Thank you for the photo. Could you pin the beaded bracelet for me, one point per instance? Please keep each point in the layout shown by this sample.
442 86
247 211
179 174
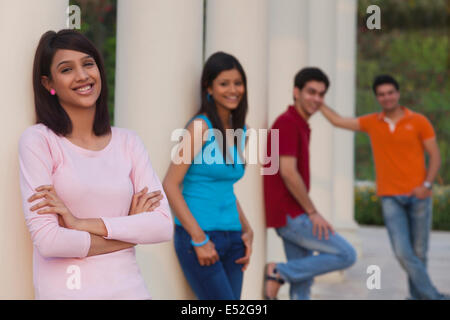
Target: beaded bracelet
200 243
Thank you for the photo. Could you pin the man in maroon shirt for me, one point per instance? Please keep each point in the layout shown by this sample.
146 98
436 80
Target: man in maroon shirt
289 208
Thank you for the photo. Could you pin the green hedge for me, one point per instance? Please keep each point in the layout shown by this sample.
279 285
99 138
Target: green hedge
98 23
368 207
407 14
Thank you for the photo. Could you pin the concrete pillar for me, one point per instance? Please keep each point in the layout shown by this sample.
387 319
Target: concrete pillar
318 33
158 69
288 53
332 39
240 28
343 195
332 45
22 23
322 49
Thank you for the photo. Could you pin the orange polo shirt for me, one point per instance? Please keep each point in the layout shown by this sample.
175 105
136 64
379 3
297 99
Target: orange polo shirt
398 150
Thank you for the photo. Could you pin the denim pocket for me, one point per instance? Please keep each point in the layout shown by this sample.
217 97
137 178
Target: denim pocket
302 221
421 207
236 238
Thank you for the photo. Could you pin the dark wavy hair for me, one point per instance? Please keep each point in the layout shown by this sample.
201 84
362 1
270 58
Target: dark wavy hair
47 107
216 63
384 79
309 74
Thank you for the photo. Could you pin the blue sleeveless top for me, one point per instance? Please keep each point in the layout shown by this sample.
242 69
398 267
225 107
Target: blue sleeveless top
208 185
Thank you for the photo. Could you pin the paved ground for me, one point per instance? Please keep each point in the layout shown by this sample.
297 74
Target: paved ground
376 250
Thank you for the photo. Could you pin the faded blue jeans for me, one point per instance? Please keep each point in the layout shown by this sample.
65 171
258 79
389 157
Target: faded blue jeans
302 265
408 222
223 279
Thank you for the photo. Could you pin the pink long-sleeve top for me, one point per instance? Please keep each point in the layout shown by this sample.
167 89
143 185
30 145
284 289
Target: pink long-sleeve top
92 184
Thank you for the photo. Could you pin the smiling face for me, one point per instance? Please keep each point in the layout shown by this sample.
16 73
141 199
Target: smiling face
76 79
387 96
227 89
310 97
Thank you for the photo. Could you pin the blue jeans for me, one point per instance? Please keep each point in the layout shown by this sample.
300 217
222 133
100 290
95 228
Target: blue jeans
408 221
302 266
223 279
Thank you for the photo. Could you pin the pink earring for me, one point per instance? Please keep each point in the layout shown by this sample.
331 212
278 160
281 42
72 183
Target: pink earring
52 92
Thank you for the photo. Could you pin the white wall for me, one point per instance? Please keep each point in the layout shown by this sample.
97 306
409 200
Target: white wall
159 62
22 23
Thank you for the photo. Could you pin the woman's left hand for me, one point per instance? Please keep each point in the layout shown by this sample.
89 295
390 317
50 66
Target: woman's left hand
247 238
53 205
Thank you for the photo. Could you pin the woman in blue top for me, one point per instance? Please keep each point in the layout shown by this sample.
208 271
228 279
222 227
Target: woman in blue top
213 239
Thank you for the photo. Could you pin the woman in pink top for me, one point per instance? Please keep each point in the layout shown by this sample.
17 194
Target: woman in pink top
85 185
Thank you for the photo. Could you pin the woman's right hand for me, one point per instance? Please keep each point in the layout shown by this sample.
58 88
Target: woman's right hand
143 201
207 254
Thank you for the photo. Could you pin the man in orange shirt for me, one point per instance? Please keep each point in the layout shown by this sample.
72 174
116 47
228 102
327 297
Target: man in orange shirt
399 139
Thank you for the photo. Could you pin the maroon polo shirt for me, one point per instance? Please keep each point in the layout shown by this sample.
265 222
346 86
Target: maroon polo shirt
294 135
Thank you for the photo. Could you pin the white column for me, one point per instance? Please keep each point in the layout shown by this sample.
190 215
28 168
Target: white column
240 28
288 53
343 177
22 23
318 33
322 48
332 48
158 69
332 43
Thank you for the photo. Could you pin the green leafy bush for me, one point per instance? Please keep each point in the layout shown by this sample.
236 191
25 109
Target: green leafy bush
368 206
98 23
408 14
